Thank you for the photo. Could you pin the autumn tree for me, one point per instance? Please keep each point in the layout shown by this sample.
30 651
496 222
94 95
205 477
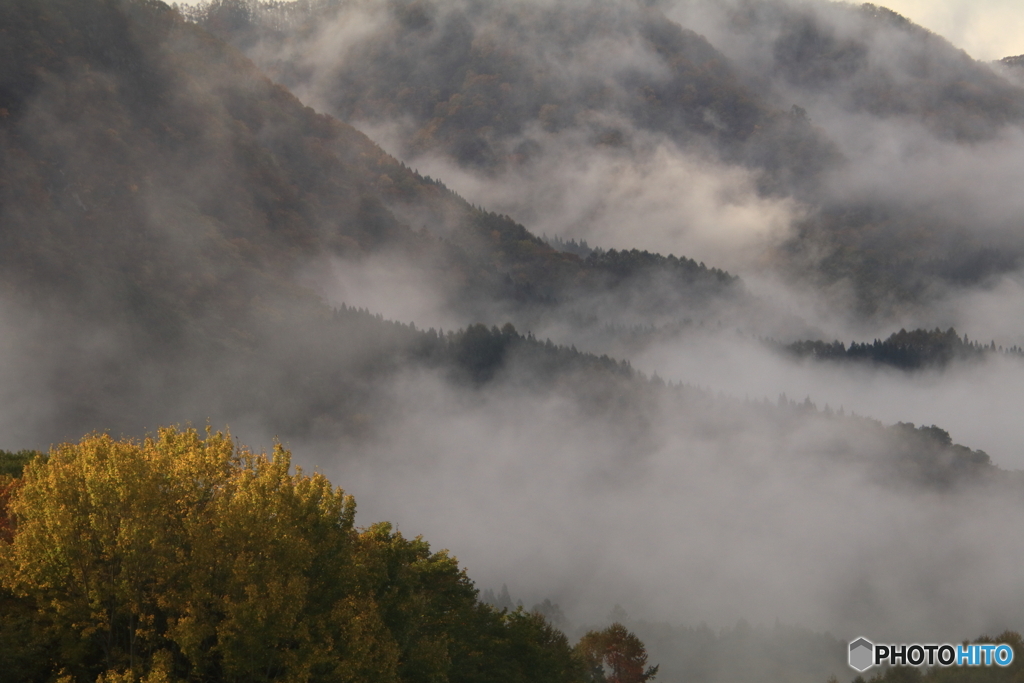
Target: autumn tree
8 485
614 655
186 558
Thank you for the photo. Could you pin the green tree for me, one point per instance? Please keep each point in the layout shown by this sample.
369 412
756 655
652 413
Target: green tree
12 463
423 597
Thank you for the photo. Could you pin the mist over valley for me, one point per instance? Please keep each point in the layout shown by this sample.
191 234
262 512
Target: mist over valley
704 318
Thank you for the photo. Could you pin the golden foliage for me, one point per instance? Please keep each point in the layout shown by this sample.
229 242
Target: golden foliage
184 554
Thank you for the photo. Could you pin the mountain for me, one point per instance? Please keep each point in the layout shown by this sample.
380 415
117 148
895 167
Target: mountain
167 202
473 80
897 100
190 122
838 107
867 58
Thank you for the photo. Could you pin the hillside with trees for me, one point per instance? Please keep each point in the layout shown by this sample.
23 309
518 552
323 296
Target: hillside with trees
474 80
913 350
218 170
161 195
770 86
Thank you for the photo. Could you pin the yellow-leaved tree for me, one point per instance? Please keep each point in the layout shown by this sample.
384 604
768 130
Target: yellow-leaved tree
184 557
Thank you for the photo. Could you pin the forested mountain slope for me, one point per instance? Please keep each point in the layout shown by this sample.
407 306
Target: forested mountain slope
172 207
867 58
840 107
899 101
123 114
473 80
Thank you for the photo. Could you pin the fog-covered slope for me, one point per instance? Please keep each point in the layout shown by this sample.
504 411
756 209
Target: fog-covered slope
672 123
162 199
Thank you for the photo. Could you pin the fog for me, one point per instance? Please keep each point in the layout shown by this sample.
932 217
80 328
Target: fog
976 403
389 284
700 520
906 152
713 512
900 163
652 196
716 515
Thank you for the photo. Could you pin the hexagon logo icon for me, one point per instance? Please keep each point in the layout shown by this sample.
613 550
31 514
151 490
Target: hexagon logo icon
862 654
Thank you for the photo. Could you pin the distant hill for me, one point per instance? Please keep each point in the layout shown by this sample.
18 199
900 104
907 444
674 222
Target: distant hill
1016 61
473 79
1014 67
913 350
873 60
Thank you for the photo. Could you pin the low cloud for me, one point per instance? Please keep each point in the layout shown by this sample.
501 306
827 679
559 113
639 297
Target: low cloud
650 196
719 512
389 284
